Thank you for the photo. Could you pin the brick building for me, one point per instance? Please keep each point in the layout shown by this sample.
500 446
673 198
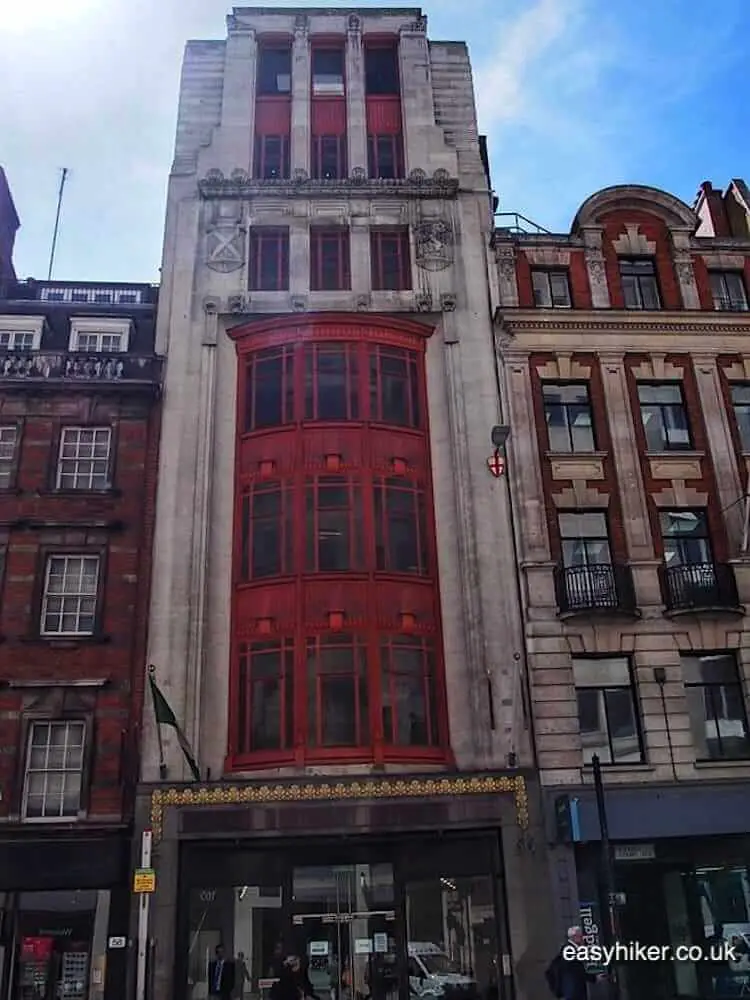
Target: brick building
79 385
9 224
624 348
343 654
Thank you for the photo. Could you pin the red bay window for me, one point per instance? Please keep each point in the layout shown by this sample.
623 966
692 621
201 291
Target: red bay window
336 651
269 259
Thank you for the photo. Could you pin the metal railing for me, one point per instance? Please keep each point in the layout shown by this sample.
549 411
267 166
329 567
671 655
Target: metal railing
597 587
699 585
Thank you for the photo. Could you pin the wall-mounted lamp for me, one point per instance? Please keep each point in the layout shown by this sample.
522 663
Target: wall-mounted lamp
500 435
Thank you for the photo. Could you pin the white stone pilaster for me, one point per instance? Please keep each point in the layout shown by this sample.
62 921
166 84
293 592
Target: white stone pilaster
505 254
299 257
359 256
683 263
238 101
720 446
356 111
300 138
417 108
592 241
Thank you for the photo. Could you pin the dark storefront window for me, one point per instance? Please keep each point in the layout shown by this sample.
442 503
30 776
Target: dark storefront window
401 918
717 706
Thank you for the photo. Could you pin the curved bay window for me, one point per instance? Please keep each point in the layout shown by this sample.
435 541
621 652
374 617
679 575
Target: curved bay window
337 651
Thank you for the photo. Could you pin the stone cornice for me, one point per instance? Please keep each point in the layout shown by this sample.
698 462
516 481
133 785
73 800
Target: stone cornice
240 185
617 322
698 244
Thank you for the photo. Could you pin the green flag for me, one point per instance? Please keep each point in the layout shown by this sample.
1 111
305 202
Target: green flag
166 717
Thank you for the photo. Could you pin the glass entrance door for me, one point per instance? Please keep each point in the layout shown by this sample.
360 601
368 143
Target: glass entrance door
344 923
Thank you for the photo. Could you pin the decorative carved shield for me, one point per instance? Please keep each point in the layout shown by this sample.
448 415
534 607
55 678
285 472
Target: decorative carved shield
434 245
225 249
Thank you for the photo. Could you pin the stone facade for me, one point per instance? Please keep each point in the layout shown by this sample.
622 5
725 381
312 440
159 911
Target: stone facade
215 201
603 336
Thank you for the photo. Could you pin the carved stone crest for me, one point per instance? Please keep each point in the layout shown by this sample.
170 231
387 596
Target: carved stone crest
434 245
225 248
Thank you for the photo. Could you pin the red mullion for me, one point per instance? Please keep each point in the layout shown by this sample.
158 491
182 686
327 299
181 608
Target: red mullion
299 490
367 486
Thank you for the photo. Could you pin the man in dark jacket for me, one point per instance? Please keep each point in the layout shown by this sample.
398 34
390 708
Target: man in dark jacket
567 977
221 976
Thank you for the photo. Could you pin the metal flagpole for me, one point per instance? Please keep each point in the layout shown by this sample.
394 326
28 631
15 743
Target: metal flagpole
143 911
63 178
162 762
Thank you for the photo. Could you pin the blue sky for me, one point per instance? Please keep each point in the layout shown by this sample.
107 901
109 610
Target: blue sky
573 94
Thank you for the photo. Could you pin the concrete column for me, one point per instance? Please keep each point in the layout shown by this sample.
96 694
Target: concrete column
238 103
683 262
592 241
199 535
636 523
716 418
359 250
356 112
299 257
300 145
417 110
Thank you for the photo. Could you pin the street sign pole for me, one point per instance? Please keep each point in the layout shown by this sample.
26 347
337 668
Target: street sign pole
144 903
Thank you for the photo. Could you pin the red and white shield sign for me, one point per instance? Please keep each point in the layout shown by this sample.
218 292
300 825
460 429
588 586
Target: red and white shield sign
496 464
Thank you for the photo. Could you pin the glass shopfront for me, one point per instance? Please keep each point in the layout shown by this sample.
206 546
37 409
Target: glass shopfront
55 945
690 894
369 921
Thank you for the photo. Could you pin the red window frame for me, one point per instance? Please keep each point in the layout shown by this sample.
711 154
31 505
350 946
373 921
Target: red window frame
392 390
392 672
266 507
385 156
333 508
269 259
329 259
272 157
328 157
337 361
399 504
260 387
390 258
253 712
325 671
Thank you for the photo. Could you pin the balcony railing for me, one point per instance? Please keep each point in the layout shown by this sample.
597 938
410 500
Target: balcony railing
597 587
72 367
699 585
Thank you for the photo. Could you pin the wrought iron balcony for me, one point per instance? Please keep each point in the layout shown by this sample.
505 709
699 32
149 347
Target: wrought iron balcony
76 368
699 586
600 587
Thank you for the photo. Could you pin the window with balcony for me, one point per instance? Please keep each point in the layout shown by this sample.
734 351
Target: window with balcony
269 388
71 585
269 260
274 71
584 538
84 460
267 531
334 520
328 72
408 692
18 340
640 289
385 156
588 580
337 692
741 406
381 70
567 411
329 259
394 387
331 382
607 710
718 718
390 258
271 157
266 696
54 770
691 578
8 448
664 416
400 527
728 290
551 289
328 159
